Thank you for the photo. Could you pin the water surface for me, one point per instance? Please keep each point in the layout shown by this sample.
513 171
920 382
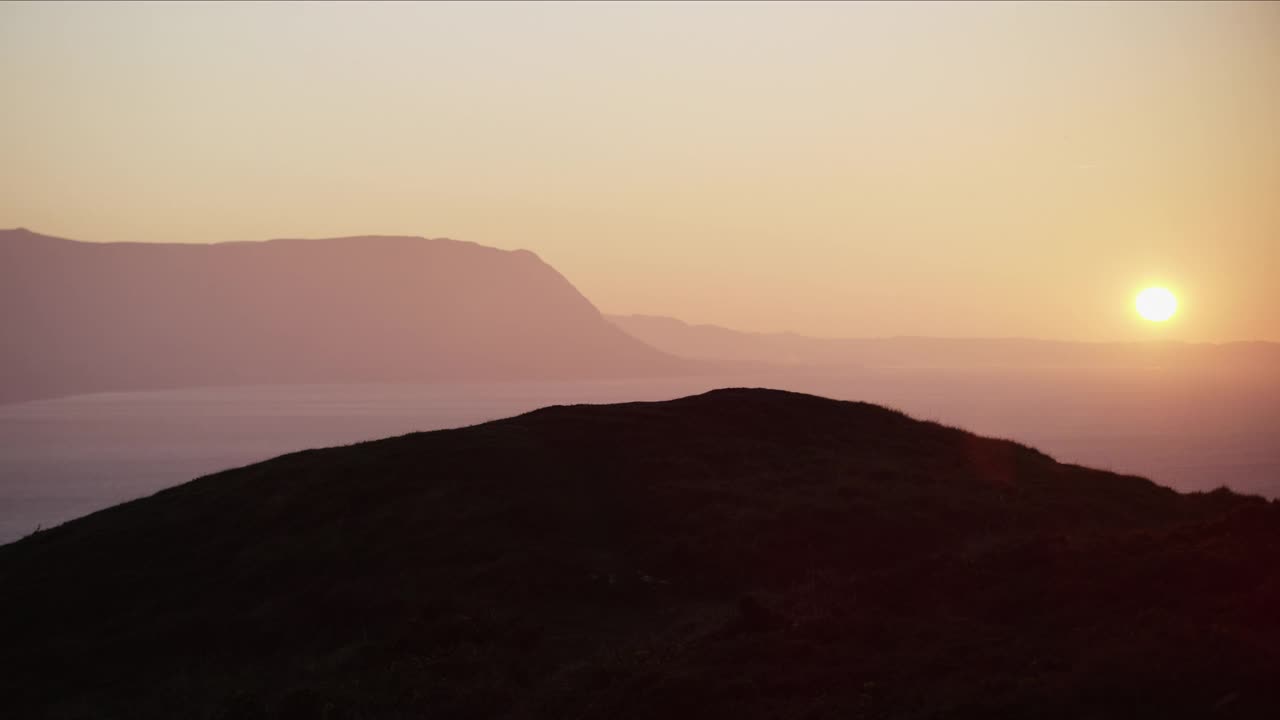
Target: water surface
66 457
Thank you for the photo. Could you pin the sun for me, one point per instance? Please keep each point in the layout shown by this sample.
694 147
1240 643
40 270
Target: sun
1156 304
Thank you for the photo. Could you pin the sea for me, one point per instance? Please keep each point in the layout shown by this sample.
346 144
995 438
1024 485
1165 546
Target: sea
66 457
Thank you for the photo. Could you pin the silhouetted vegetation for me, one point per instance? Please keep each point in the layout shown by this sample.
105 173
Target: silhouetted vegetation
744 553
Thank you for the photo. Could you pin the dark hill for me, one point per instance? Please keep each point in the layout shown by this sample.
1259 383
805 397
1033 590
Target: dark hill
84 317
744 553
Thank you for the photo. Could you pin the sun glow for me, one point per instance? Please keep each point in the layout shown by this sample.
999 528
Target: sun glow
1156 304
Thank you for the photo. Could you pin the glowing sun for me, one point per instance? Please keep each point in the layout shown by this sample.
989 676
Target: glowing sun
1156 304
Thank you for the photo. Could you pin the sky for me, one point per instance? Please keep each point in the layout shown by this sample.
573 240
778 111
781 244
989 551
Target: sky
832 169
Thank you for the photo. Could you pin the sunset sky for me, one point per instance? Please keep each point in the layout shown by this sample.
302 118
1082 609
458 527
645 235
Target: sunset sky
841 170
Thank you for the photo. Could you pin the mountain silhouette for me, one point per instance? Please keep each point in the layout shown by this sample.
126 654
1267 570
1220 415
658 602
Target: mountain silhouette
84 317
718 344
743 553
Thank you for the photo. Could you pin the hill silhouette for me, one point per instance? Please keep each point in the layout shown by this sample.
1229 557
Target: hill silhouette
743 553
86 317
718 344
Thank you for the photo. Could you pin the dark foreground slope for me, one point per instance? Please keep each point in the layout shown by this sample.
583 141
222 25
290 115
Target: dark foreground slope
744 553
86 317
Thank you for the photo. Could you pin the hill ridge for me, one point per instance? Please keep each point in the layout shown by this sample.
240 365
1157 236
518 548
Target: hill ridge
87 317
647 559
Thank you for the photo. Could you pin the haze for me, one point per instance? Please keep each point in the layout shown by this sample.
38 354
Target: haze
623 360
838 170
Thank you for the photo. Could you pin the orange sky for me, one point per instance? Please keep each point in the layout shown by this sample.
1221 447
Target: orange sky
873 169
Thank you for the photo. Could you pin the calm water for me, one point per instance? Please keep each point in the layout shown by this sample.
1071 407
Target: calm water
63 458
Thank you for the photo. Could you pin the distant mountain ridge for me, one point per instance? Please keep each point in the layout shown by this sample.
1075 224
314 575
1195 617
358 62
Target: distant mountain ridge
744 553
715 343
84 317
